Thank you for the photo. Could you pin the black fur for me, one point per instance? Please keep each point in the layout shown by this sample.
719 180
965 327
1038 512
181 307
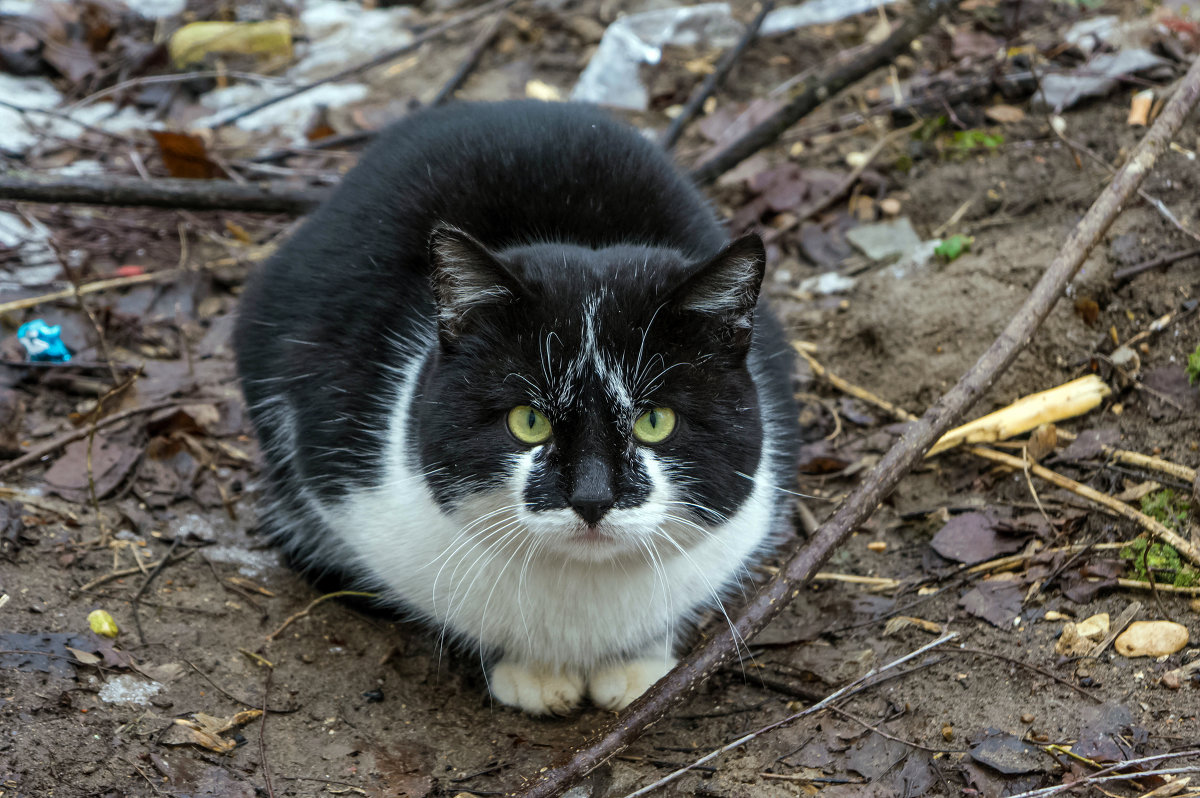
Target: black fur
548 204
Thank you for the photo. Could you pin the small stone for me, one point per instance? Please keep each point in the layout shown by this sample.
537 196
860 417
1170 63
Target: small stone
947 732
878 546
1152 639
890 206
1027 718
1194 605
1093 628
884 240
1055 615
1077 639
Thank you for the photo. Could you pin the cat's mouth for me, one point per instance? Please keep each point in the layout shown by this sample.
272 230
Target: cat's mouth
593 535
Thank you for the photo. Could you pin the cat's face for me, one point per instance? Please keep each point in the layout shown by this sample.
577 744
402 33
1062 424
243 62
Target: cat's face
595 404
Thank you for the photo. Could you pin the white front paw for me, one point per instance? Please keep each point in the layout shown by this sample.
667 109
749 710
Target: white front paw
615 686
537 689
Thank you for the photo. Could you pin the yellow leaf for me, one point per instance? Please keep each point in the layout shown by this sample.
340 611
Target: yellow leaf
192 43
102 623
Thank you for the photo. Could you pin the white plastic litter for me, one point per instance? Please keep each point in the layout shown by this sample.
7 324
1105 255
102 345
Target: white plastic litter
344 33
1096 78
39 264
156 9
129 690
611 77
815 12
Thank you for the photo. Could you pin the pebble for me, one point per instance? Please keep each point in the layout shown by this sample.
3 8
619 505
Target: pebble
1152 639
1077 639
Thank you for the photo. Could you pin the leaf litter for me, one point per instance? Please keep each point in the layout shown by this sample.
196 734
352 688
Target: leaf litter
184 473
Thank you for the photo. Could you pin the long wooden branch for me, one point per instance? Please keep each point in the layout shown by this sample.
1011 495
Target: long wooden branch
918 437
822 87
197 195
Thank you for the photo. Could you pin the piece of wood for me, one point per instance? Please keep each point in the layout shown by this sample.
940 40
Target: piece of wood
196 195
812 93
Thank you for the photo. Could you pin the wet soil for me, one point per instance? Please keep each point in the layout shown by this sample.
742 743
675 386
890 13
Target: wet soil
360 703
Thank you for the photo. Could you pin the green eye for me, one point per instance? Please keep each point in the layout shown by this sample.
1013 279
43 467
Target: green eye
654 426
528 425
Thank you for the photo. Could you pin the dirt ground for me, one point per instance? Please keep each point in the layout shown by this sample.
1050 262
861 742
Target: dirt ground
360 703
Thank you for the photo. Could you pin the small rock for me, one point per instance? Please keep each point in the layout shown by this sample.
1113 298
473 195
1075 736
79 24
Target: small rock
877 546
1194 605
1028 718
1077 639
1127 360
890 206
1152 639
885 240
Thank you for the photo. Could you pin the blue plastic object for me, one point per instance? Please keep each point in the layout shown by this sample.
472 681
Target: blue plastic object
43 342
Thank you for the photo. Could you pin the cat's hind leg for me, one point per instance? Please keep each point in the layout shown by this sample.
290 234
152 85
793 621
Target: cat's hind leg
615 686
538 689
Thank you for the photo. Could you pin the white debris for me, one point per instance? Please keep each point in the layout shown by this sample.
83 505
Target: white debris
611 76
1095 78
827 283
19 131
252 562
1088 34
290 117
156 9
815 12
129 690
343 33
31 239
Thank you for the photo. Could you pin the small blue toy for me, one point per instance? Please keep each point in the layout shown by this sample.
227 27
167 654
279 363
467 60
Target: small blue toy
43 342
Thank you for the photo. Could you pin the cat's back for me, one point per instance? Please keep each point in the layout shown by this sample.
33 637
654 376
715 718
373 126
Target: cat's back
520 172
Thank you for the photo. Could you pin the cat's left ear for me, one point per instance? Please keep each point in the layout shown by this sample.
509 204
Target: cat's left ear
725 289
466 276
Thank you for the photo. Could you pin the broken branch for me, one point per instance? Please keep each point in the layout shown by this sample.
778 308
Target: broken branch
822 88
715 80
197 195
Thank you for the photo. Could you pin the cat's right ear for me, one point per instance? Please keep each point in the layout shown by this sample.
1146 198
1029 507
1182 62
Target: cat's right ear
465 276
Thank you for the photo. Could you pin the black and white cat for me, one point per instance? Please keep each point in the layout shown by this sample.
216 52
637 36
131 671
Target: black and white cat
513 377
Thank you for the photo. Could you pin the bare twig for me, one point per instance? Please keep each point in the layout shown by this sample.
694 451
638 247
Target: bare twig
822 88
715 80
1160 531
382 58
262 735
1121 275
161 193
906 453
478 47
52 446
137 597
297 616
817 707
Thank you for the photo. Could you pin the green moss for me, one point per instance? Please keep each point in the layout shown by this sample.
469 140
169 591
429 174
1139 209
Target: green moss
1165 508
1193 366
1162 560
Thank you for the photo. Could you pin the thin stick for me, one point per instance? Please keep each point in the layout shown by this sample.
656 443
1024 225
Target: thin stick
1121 275
817 707
262 736
478 47
1160 531
52 446
1140 460
900 459
847 387
715 80
984 653
824 86
111 575
202 195
382 58
1138 584
297 616
137 597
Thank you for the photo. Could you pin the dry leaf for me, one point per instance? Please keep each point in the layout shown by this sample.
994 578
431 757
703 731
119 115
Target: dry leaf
1005 114
185 155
